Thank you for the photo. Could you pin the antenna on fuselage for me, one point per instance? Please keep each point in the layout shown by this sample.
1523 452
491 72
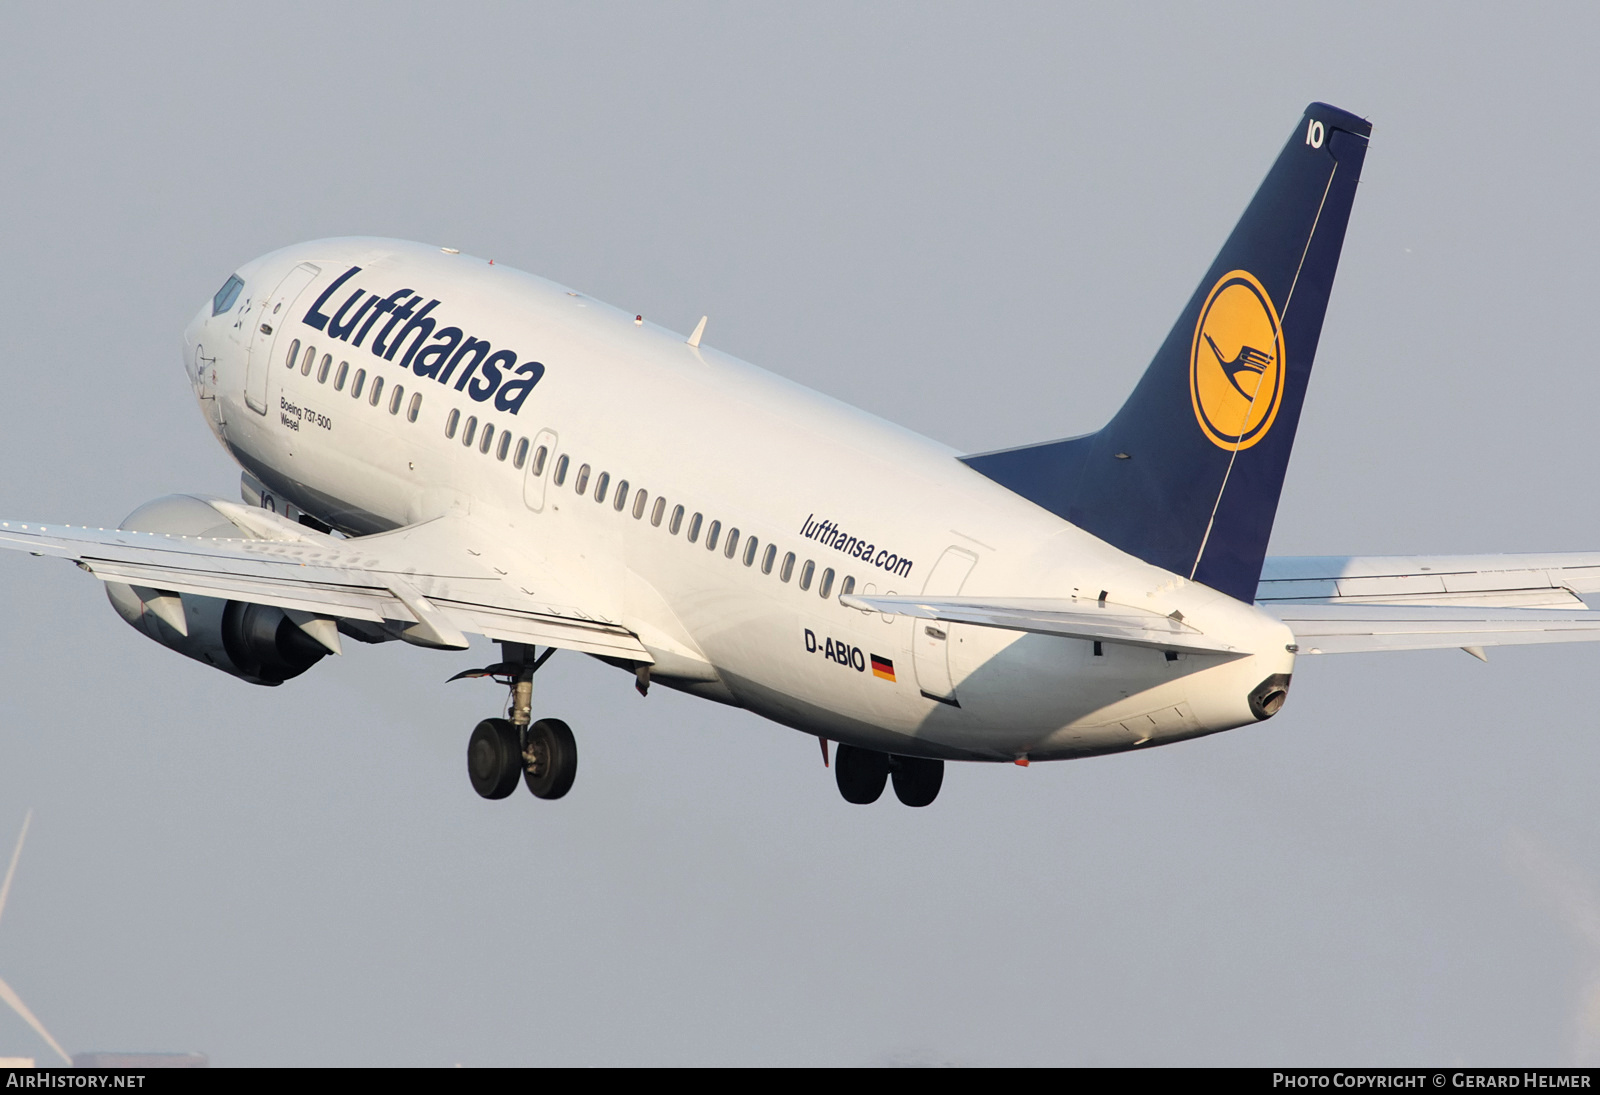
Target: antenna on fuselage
700 329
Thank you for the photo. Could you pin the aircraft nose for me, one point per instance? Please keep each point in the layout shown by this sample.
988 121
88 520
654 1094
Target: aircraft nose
195 337
203 338
194 333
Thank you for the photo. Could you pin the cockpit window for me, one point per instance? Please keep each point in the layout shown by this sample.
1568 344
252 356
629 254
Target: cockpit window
226 295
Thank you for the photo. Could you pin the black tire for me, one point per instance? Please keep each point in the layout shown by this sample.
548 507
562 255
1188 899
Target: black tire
494 758
551 761
861 773
917 779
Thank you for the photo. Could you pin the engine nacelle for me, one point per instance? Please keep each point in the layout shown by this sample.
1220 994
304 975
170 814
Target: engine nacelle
261 644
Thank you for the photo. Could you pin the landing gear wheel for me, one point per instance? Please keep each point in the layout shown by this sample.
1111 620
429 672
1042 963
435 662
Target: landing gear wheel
550 762
916 779
494 758
861 773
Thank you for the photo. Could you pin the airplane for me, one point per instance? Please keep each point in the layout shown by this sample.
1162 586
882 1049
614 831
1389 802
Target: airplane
9 994
433 445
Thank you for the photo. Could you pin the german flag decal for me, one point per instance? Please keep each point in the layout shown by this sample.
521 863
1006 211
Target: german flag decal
882 667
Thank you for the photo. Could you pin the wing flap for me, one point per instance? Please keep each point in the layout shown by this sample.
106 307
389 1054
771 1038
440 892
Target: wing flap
1064 617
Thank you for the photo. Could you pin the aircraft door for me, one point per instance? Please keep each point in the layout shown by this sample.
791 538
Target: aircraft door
930 645
541 458
275 312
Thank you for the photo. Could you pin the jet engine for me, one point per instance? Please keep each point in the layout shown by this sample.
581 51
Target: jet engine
261 644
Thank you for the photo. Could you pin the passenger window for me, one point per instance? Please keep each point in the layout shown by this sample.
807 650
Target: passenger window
733 543
750 546
309 360
638 504
538 462
505 447
766 560
787 570
657 510
600 486
322 370
355 388
396 399
694 528
294 353
522 454
582 481
805 574
377 391
622 496
226 295
561 470
677 520
470 430
488 437
451 422
847 587
711 535
825 587
415 408
340 377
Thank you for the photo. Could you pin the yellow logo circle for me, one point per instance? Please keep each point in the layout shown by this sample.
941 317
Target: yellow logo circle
1236 364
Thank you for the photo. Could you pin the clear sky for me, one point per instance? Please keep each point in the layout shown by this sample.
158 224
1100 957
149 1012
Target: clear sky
975 220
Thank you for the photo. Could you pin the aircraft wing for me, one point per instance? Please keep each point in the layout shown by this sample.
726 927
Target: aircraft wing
1355 628
1339 604
436 579
1322 627
1486 581
1067 617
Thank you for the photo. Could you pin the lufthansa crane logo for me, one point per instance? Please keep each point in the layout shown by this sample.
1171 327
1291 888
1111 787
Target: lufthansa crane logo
1236 365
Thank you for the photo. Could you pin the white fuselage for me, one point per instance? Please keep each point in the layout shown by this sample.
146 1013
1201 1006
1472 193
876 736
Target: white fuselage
843 491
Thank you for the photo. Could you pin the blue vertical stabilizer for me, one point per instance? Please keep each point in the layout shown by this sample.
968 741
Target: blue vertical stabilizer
1187 475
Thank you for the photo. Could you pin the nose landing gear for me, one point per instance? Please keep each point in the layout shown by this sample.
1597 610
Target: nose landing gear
542 754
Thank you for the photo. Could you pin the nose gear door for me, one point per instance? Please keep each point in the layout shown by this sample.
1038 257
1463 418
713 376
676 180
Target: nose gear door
930 645
274 313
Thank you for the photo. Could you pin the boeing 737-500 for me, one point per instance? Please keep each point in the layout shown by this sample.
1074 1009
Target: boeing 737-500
435 446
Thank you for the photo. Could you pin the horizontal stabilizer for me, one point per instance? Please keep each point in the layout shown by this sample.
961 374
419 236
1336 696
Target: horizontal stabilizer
1063 616
1361 628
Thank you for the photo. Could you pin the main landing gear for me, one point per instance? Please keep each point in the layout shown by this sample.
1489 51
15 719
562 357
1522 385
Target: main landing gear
862 774
502 752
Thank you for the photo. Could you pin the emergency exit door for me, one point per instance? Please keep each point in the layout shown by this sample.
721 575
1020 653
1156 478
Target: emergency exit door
930 646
